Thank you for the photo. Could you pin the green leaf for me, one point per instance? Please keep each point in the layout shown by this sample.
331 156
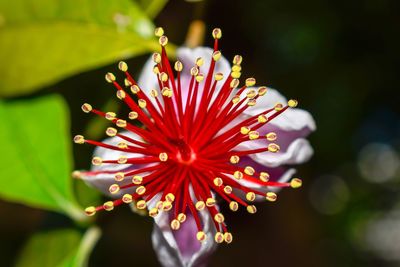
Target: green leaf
35 159
152 7
44 41
61 248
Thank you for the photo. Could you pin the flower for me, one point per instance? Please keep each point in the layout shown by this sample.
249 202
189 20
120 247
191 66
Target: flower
204 137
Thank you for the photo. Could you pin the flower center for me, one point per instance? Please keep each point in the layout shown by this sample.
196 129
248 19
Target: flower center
185 154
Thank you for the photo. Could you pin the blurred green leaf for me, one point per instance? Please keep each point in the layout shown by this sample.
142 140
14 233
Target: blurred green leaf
152 7
35 159
62 248
44 41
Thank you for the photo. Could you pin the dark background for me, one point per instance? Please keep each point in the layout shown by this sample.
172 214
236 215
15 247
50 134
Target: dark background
339 59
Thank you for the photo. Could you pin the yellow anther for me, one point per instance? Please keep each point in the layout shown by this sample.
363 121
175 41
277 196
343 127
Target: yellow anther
114 188
153 212
137 179
122 66
292 103
249 170
271 136
181 217
97 161
251 93
133 115
127 82
234 83
194 71
236 99
216 55
234 159
217 181
121 94
217 33
218 76
262 118
250 196
156 58
175 224
200 205
76 174
251 102
210 202
262 90
110 77
166 206
228 238
163 156
86 108
135 89
237 60
121 123
228 189
238 175
141 190
90 211
163 76
200 77
170 197
219 218
142 103
273 148
236 74
156 69
159 31
108 206
122 159
178 66
271 196
167 92
79 139
127 198
219 237
111 131
233 205
163 40
236 68
119 176
122 145
141 204
199 62
253 135
250 82
251 209
110 116
201 236
296 183
278 107
153 93
244 130
264 176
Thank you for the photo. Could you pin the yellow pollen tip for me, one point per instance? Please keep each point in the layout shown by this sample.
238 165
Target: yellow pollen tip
262 90
219 218
76 174
219 237
108 206
110 116
178 66
90 211
271 136
236 68
296 183
201 236
233 206
86 108
111 131
244 130
249 170
122 66
170 197
122 160
216 55
228 238
271 196
97 161
194 71
137 179
163 77
166 206
250 82
253 135
200 77
141 204
122 145
217 33
278 107
210 202
119 176
127 82
238 175
251 94
79 139
218 76
236 74
153 93
163 156
156 58
141 190
159 31
142 103
199 62
110 78
121 94
264 176
200 205
251 209
217 181
228 189
156 70
251 102
167 92
121 123
114 188
250 196
262 119
273 147
234 159
175 224
234 83
292 103
181 217
133 115
236 99
163 40
135 89
237 60
153 212
127 198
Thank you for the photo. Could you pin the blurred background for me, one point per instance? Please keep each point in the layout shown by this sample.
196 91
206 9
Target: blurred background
338 58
